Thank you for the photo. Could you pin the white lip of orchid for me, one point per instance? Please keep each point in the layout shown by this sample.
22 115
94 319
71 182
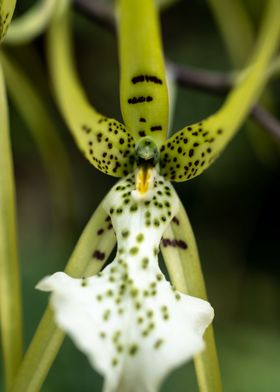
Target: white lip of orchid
133 326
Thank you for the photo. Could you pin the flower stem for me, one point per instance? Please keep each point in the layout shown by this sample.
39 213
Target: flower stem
236 29
31 107
10 296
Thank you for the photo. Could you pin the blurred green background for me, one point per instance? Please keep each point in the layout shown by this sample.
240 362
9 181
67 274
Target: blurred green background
234 206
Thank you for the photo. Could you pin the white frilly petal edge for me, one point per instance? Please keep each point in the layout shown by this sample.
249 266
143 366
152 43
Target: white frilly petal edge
128 320
133 350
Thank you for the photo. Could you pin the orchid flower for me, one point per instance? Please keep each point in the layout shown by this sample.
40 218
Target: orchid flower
132 324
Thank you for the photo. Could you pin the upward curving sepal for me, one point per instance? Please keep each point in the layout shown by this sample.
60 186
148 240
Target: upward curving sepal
7 8
144 96
190 151
105 142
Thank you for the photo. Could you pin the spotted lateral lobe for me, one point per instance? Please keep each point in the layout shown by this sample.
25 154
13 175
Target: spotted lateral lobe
190 151
107 145
105 142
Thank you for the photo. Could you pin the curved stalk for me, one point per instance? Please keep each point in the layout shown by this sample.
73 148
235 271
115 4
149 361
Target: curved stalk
236 29
31 24
29 103
10 296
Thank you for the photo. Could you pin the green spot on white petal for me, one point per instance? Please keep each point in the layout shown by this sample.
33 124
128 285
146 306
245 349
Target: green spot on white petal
131 316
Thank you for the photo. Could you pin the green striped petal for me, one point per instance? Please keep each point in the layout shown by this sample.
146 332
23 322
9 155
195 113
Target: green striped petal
7 8
105 142
144 96
190 151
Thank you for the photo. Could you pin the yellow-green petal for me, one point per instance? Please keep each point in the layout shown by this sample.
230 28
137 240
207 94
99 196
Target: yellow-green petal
143 89
181 257
190 151
105 142
7 8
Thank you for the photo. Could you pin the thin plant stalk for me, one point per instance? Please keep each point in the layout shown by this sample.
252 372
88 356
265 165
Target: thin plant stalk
10 295
28 26
31 107
236 29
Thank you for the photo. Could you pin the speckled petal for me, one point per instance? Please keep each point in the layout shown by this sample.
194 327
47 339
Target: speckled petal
132 325
105 142
190 151
6 13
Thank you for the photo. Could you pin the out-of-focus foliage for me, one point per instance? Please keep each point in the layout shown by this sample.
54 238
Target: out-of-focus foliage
233 207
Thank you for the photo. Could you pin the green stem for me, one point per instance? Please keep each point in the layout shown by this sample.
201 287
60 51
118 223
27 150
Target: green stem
274 69
28 26
48 338
30 105
236 29
10 296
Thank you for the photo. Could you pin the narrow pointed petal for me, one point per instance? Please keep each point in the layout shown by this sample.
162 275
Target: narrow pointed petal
7 8
179 250
190 151
129 321
144 96
105 142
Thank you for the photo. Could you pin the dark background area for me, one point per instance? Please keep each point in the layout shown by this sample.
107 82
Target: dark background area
233 207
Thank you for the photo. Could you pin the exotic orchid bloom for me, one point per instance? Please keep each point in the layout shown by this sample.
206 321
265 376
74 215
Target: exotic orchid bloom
132 324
